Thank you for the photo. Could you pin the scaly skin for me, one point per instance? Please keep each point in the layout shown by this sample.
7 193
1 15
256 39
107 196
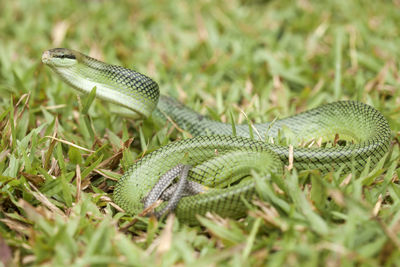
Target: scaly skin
222 163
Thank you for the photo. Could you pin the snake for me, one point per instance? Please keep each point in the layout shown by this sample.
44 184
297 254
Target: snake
214 170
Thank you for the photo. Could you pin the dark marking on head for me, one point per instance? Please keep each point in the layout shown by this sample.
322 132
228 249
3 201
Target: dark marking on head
71 56
63 53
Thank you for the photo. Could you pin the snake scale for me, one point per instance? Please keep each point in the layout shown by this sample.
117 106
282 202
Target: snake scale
219 163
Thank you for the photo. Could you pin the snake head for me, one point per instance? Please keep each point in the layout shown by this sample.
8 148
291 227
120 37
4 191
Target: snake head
121 86
60 57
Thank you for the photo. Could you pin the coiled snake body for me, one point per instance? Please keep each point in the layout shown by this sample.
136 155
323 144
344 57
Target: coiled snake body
217 165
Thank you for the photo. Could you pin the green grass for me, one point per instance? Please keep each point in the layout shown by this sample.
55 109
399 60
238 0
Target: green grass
59 159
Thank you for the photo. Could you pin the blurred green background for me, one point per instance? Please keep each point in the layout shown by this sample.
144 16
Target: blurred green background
268 58
205 48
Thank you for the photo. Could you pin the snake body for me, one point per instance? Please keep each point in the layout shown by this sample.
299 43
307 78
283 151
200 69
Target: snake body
222 163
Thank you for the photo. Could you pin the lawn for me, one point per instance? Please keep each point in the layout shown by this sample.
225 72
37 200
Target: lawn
61 153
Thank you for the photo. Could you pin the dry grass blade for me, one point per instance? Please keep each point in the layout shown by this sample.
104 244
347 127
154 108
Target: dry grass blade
78 184
377 206
59 31
166 237
69 143
5 253
44 200
291 158
346 180
389 232
17 226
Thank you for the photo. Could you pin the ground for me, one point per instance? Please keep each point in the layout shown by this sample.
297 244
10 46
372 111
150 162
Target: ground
61 153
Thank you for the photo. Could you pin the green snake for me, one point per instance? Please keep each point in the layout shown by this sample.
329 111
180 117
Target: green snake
213 171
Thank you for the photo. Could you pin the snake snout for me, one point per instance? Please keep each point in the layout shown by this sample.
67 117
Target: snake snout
46 57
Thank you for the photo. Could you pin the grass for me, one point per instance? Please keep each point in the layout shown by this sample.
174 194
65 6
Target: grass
60 153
